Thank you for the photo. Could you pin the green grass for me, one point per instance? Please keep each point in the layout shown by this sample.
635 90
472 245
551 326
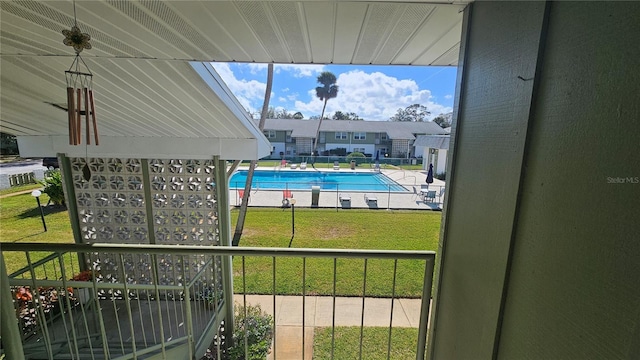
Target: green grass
326 228
19 188
20 222
374 343
315 228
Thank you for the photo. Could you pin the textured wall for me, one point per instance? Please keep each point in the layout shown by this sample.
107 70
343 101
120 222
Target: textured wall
489 144
540 258
574 289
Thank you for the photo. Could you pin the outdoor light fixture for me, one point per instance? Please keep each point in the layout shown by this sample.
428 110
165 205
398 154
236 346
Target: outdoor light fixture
36 194
292 201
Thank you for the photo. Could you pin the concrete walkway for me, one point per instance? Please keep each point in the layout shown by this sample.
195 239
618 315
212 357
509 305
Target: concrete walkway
318 313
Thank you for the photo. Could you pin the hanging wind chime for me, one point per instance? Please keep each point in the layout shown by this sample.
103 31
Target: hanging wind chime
80 101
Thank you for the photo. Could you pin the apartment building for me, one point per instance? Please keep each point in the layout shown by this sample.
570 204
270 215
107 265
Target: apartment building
291 137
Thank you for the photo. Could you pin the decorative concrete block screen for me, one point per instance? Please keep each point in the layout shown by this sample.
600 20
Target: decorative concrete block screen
140 201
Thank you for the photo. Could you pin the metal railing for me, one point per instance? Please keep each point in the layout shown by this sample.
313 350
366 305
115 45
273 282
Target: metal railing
84 330
66 309
401 195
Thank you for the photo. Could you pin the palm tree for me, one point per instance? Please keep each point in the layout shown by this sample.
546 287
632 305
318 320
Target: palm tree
328 90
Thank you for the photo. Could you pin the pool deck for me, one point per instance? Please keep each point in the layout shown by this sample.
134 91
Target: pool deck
410 179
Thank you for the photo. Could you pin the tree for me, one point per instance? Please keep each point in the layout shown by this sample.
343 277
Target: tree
444 120
328 90
8 144
247 185
282 113
415 112
354 116
339 115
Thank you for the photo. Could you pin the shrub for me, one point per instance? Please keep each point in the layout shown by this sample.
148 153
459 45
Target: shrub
441 176
53 187
358 157
259 333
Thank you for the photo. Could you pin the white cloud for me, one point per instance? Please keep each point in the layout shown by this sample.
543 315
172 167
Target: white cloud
448 97
300 70
285 89
373 96
256 68
282 99
250 93
292 97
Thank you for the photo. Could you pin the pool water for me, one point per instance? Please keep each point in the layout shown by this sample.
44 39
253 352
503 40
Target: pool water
303 180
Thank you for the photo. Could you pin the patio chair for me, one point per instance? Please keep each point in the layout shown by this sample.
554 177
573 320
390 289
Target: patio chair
336 165
303 166
371 201
345 201
241 195
430 196
376 167
293 166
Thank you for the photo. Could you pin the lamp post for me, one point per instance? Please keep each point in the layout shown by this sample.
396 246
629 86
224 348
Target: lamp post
36 194
293 219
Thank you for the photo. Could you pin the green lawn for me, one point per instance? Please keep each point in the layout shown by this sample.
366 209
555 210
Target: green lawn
20 222
315 228
19 188
326 228
375 342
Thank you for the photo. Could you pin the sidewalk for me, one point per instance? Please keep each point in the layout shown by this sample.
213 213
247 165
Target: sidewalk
318 313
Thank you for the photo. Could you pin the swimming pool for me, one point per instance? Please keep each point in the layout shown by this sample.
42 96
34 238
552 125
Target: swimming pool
303 180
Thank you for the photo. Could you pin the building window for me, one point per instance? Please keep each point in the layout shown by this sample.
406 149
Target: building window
383 136
270 134
288 134
360 150
359 136
342 136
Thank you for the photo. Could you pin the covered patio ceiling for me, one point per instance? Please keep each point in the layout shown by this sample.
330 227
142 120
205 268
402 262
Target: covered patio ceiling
149 96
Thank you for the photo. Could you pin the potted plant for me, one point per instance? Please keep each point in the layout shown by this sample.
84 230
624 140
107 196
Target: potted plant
83 294
53 187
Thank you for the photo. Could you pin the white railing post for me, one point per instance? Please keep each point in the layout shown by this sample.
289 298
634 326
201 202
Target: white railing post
224 229
424 310
11 337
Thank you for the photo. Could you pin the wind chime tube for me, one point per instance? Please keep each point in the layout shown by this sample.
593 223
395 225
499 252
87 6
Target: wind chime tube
71 112
79 118
93 116
86 113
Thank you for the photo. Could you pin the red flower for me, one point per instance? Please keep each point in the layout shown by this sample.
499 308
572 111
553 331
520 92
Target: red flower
24 294
86 275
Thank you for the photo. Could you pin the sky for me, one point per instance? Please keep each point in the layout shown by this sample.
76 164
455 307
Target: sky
373 92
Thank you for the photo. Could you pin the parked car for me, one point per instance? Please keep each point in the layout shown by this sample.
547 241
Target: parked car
50 163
